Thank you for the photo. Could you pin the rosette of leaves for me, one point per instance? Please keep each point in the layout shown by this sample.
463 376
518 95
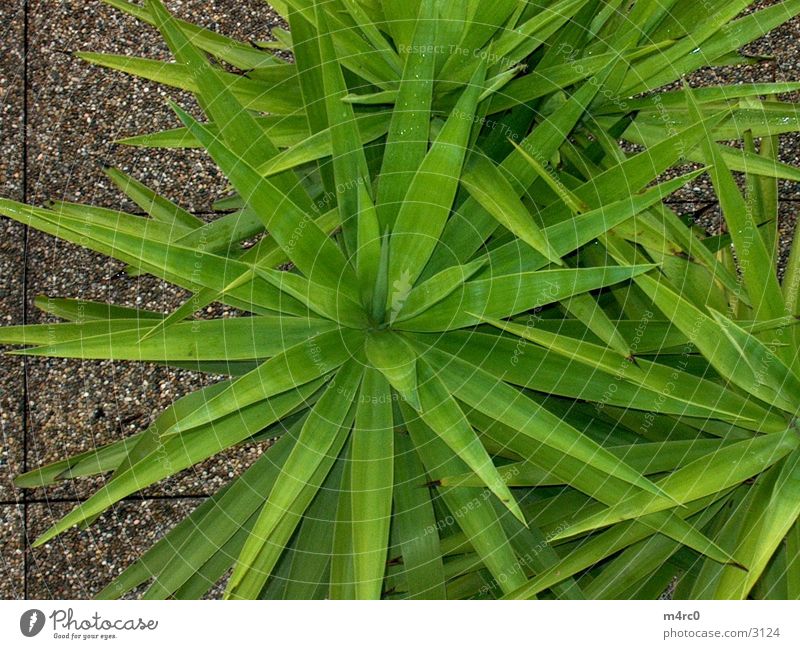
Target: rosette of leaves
493 361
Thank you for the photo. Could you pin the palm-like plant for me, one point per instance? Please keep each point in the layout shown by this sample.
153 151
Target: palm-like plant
494 361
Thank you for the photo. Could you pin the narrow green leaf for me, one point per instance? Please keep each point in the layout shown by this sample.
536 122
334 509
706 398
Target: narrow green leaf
349 162
240 54
279 96
779 515
433 290
397 361
296 232
307 361
759 277
471 510
715 473
508 295
444 417
180 452
224 339
156 206
407 142
489 187
429 199
320 440
486 394
371 482
415 535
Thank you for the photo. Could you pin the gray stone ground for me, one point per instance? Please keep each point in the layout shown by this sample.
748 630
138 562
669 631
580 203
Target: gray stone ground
58 119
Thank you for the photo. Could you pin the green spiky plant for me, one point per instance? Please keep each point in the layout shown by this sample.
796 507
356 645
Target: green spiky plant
494 361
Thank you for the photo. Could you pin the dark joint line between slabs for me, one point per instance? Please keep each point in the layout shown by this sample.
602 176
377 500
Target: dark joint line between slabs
25 431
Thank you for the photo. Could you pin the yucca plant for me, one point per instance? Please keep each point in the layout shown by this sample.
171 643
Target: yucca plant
492 360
